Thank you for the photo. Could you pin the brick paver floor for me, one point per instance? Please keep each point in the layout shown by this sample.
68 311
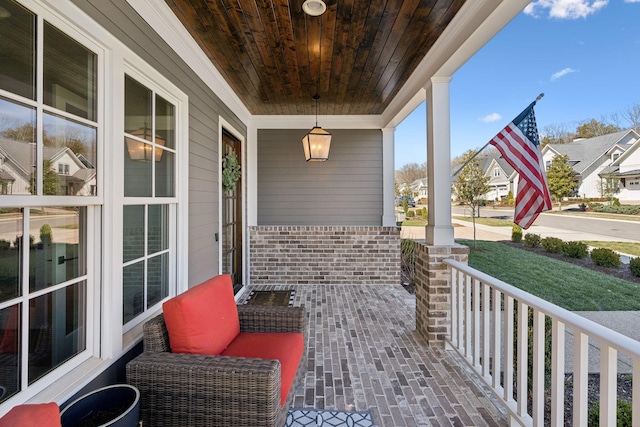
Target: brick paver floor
364 353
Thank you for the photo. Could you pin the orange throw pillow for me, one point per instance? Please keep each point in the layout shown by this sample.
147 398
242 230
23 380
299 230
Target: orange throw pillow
32 415
204 319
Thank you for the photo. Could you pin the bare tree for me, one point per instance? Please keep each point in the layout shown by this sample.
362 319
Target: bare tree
410 172
629 118
556 134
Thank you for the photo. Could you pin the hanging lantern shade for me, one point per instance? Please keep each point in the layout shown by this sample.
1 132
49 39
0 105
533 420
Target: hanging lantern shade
316 145
142 151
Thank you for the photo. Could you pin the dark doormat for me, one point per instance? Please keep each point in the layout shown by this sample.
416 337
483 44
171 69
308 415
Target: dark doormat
276 298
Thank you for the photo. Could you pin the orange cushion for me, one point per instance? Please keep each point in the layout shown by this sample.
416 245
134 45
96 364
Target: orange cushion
204 319
32 415
287 347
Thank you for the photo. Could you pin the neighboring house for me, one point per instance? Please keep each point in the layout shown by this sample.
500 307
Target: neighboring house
592 158
76 174
502 177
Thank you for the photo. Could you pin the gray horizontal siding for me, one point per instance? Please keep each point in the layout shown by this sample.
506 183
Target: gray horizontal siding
204 108
344 190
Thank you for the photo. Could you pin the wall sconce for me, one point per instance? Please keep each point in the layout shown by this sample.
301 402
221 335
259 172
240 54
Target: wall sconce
317 142
141 151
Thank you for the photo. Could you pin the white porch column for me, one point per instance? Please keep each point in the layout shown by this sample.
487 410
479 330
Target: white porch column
388 177
439 228
251 176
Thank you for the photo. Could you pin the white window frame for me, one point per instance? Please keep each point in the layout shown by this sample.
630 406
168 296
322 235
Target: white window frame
106 339
48 387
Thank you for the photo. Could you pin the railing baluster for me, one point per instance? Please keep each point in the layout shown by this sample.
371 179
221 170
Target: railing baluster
635 393
461 284
523 346
538 368
455 275
497 313
486 331
508 348
580 378
608 384
467 317
557 373
476 325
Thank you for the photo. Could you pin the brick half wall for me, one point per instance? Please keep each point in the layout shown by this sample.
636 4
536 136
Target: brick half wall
324 255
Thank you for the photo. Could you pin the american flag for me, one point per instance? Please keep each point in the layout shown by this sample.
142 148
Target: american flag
519 145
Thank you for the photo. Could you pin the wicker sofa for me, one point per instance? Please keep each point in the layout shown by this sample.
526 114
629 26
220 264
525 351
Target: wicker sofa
179 389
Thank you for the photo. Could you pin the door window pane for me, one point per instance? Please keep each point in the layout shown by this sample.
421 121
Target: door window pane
56 246
133 233
132 291
17 50
69 157
69 74
10 332
56 328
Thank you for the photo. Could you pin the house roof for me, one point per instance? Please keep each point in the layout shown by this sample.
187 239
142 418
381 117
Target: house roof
584 152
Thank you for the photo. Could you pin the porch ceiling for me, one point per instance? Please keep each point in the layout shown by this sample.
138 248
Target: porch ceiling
356 56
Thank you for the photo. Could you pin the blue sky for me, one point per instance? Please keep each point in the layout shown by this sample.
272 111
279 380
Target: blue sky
584 55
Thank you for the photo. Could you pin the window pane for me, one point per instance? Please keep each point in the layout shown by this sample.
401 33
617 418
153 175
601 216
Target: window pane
10 239
69 74
17 50
137 109
165 123
10 332
57 246
137 174
57 317
164 175
158 233
17 147
133 233
69 157
157 279
132 291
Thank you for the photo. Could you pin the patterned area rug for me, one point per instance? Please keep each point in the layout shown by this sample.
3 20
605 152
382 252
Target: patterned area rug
327 418
276 298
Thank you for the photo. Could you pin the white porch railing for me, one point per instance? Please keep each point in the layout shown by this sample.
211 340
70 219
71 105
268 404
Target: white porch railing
486 313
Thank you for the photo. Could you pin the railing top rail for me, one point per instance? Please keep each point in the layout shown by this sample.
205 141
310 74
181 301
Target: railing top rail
575 321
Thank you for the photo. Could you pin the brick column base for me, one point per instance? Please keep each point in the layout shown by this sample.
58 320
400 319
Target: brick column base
433 290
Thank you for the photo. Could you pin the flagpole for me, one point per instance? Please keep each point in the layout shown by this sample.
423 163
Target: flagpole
485 145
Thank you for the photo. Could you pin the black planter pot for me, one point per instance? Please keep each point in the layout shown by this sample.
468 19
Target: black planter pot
112 406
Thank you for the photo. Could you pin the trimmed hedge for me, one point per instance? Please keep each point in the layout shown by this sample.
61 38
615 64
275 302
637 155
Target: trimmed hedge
552 244
532 240
634 265
575 250
605 257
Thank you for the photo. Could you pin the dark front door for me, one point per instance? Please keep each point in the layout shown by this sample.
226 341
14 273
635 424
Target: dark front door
232 216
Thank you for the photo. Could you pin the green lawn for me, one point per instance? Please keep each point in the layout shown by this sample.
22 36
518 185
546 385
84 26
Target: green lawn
494 222
623 247
566 285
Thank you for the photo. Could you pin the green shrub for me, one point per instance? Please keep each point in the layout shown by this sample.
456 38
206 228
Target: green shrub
616 202
411 214
424 213
605 257
634 265
623 414
623 209
575 249
531 240
516 233
46 235
552 244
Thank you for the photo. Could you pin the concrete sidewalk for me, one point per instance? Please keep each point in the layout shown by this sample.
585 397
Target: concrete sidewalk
624 322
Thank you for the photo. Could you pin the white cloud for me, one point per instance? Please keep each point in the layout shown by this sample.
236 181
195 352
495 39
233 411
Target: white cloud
632 1
567 9
562 73
493 117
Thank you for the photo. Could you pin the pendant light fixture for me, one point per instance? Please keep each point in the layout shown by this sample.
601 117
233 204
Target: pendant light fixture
317 142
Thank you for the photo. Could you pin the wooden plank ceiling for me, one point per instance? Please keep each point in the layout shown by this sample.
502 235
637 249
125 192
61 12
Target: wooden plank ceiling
356 56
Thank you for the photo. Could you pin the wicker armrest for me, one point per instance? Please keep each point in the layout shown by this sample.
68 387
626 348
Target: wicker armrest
255 318
208 390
